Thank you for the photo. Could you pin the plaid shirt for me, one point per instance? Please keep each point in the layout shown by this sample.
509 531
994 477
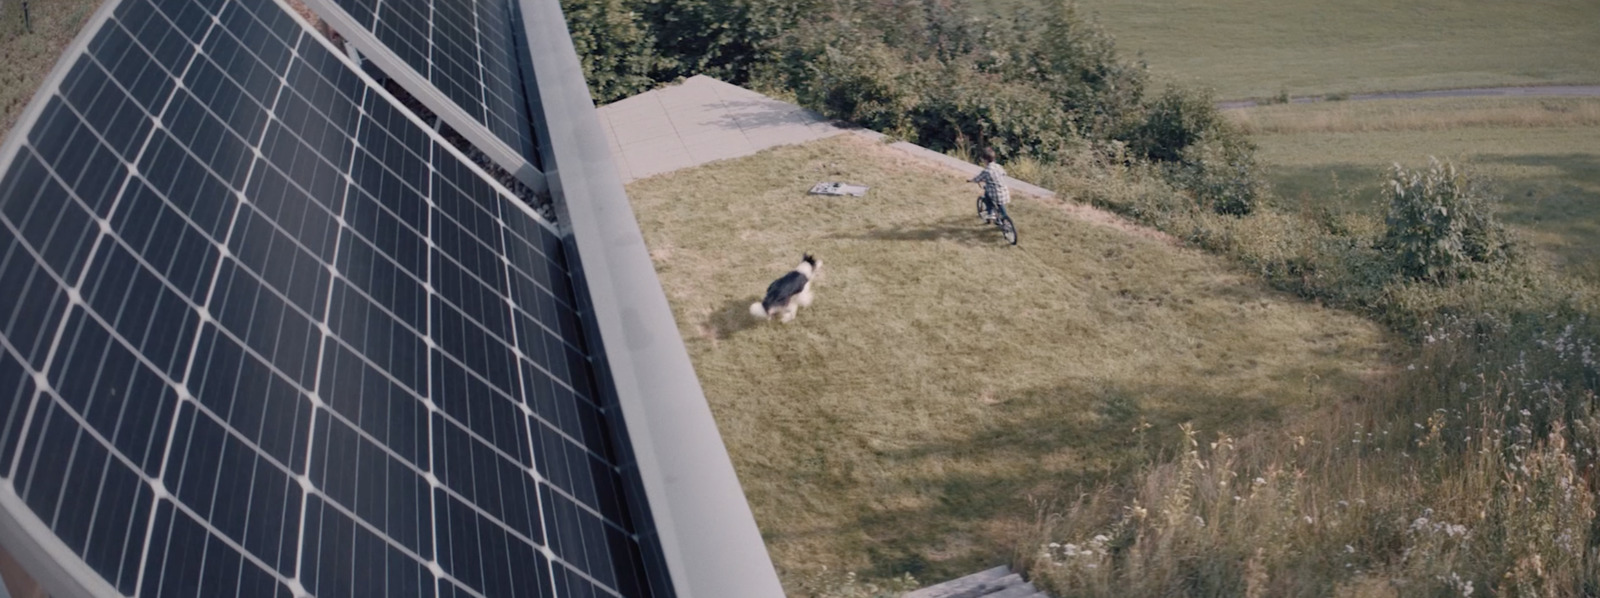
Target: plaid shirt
993 179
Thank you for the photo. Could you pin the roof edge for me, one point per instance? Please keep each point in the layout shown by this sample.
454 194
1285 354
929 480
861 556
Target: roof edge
708 535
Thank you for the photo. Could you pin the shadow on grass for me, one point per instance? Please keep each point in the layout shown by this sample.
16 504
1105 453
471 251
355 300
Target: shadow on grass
967 230
732 318
1337 187
977 496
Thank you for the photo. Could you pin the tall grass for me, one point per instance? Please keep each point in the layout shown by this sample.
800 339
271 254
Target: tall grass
1469 471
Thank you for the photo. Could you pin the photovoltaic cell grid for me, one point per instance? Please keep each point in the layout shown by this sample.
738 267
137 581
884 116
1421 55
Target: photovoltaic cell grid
271 337
465 49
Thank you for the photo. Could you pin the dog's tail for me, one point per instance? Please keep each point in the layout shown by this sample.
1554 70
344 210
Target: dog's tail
758 311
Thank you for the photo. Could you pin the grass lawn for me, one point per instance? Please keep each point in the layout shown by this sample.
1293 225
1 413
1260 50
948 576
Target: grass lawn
1544 154
25 58
943 381
1257 48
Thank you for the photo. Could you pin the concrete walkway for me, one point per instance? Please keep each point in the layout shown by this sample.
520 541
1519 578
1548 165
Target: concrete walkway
704 120
698 121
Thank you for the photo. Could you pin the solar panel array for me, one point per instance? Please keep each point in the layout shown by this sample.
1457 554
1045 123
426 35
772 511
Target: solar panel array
464 48
273 337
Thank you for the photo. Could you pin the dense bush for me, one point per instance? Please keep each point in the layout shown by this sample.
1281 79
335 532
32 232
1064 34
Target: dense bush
931 71
1441 224
615 47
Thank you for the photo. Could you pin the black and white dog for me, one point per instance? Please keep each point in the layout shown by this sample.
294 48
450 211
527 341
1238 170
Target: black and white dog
789 293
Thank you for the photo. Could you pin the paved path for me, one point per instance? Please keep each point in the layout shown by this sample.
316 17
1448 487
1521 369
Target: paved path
698 121
1546 91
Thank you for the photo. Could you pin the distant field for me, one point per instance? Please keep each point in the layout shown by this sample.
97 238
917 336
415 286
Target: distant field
1545 154
1257 48
943 378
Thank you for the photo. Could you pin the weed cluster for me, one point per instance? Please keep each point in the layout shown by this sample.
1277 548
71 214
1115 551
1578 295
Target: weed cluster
1476 477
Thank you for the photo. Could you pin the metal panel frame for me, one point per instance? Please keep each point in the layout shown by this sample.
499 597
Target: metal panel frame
374 50
710 546
43 555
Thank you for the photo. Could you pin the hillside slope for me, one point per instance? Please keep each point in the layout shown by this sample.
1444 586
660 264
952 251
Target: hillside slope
942 378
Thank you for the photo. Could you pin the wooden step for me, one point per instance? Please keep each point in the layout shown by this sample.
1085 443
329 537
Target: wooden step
998 582
1023 590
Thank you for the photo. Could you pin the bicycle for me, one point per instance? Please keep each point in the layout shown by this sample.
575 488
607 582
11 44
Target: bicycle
1002 219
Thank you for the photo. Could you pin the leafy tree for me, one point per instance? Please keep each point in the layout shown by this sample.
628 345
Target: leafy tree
616 48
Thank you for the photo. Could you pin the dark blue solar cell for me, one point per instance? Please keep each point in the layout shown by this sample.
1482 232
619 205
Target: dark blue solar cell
364 478
39 302
130 66
251 398
488 413
40 476
154 319
502 487
266 324
186 560
118 396
16 396
280 261
342 558
378 336
176 175
379 406
117 534
167 240
228 484
373 272
308 218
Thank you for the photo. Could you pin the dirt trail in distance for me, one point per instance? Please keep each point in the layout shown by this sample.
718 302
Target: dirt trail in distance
1531 91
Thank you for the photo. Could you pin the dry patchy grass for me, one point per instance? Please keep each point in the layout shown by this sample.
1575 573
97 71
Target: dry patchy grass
25 58
943 378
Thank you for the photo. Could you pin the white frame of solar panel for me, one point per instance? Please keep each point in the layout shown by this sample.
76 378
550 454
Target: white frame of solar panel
424 91
29 539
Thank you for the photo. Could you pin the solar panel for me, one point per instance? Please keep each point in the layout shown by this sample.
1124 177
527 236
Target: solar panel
465 49
272 336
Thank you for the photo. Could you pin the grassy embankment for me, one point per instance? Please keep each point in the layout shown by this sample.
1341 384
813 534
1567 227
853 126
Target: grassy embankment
942 378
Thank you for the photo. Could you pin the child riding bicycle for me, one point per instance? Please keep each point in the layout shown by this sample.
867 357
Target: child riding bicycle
995 192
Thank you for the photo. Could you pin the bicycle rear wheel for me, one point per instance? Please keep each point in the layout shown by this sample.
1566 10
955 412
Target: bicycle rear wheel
1007 228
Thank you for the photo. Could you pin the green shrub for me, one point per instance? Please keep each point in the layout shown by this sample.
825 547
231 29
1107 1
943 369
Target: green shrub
1441 224
1015 119
864 82
1176 120
616 49
1203 153
1222 172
